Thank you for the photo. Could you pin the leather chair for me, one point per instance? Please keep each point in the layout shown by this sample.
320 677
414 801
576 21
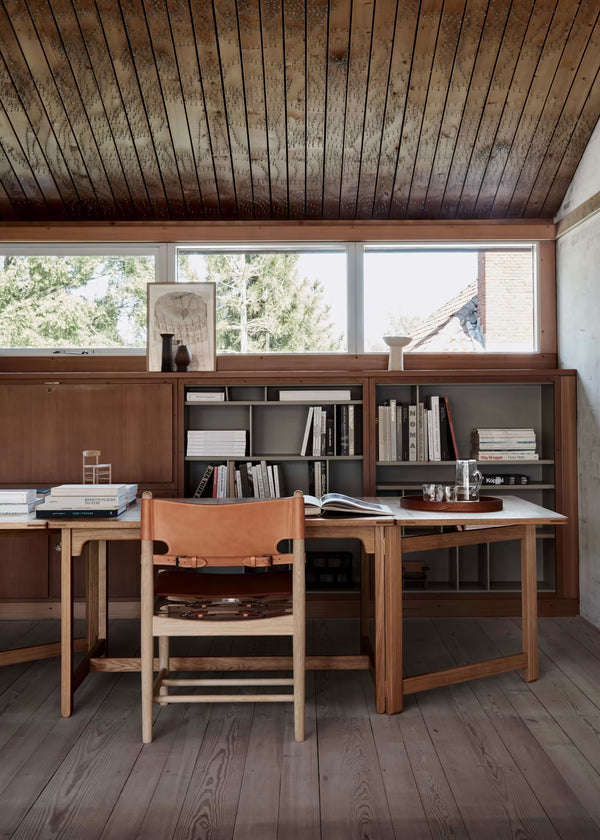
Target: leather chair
178 598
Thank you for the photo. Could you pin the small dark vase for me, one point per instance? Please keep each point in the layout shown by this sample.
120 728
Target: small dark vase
183 358
167 352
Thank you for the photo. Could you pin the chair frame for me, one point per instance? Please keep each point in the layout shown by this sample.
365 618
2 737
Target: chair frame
94 472
160 521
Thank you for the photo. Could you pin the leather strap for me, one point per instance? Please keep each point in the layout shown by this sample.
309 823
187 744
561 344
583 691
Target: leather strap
185 562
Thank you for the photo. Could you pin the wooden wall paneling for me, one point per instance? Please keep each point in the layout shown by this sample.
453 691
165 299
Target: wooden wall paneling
436 90
487 55
317 16
498 95
295 47
569 140
532 46
209 65
338 57
24 566
192 92
87 50
81 91
273 61
34 129
378 84
236 103
130 99
355 117
159 20
140 53
252 84
395 109
51 424
561 100
64 97
565 469
556 191
537 94
464 60
421 73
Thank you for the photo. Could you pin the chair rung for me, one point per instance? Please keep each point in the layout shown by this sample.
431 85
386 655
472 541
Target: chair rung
282 681
163 699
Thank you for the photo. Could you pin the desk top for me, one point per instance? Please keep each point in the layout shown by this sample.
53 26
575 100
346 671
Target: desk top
516 511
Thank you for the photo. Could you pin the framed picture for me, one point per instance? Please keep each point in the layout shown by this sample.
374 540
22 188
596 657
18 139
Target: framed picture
187 311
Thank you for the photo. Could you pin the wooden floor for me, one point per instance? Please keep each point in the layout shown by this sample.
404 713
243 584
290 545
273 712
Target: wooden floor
496 758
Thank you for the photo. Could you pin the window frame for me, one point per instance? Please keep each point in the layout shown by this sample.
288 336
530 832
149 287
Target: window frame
164 238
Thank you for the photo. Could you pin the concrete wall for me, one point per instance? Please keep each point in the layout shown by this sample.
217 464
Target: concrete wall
578 299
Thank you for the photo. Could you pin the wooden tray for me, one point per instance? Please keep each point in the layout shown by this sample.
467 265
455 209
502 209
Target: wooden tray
486 504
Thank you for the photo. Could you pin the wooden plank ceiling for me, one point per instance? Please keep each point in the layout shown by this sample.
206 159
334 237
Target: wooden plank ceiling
293 109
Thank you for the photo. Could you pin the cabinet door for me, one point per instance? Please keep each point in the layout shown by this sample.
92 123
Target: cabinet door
45 427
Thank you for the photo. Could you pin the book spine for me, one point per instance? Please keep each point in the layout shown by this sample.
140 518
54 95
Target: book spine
506 456
380 433
16 508
203 481
79 513
393 432
316 439
444 432
434 405
451 435
421 436
405 433
499 479
412 432
351 431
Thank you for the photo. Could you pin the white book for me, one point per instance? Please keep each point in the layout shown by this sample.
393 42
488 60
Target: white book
75 502
339 394
276 481
89 490
393 434
17 497
434 405
412 432
205 396
506 456
7 509
304 447
238 484
271 479
316 441
429 435
421 432
351 431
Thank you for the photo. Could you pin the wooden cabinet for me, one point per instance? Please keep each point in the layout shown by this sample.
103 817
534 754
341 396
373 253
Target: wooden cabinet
45 425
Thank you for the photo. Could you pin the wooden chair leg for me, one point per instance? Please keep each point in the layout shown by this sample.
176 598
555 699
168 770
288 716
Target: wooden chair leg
163 659
147 639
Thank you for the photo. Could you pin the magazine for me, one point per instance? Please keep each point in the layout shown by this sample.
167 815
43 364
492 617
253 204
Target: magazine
338 503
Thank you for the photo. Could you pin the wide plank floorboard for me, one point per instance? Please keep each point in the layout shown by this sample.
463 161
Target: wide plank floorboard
494 758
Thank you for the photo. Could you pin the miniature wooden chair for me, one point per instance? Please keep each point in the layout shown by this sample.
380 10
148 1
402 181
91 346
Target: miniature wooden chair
93 471
182 601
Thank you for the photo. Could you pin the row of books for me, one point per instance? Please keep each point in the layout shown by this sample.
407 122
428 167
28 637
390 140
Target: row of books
504 444
242 481
216 443
418 432
330 430
86 500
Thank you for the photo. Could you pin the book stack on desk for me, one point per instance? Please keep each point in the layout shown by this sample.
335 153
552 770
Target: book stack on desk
72 501
18 502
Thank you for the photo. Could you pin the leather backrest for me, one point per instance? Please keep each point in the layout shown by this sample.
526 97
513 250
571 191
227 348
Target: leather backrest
223 530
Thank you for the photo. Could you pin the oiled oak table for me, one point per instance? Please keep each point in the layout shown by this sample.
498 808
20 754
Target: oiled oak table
516 521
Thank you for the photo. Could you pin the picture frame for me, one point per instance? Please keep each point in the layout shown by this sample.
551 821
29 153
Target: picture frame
188 312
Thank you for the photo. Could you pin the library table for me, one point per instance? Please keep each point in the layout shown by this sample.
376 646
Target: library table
516 521
377 535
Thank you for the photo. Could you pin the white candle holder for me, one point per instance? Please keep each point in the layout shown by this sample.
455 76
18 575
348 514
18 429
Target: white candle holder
396 343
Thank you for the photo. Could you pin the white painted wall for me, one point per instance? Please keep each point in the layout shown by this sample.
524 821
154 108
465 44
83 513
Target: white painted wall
578 304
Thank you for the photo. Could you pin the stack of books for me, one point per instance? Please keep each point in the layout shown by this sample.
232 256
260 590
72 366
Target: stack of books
72 501
226 443
18 502
504 445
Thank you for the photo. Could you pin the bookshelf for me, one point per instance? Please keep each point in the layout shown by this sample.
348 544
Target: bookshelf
276 429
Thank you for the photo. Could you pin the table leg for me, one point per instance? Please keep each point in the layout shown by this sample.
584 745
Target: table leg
66 624
364 600
380 584
529 602
92 594
394 700
102 591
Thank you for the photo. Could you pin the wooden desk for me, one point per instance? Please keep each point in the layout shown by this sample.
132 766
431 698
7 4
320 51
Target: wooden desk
516 521
376 534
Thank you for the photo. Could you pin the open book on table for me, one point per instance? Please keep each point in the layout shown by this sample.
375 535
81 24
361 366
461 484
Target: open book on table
338 503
